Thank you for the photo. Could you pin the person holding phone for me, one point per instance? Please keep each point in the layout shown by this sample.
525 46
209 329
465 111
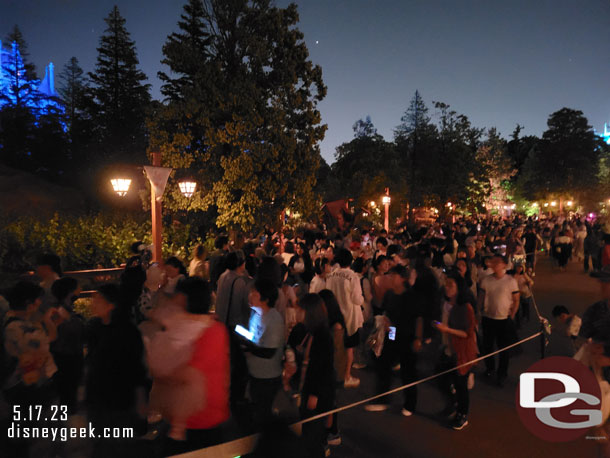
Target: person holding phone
458 329
264 354
404 329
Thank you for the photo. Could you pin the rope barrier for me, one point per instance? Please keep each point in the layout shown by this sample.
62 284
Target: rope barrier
412 384
245 445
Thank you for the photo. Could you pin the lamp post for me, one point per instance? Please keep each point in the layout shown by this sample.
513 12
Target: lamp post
386 203
157 176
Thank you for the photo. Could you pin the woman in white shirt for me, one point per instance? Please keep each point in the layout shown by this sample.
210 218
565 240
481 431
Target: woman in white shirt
322 269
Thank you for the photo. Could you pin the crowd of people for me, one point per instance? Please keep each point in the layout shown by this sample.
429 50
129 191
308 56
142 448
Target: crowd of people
271 328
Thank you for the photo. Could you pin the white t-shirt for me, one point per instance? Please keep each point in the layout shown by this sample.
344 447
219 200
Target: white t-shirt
498 296
317 284
345 285
268 330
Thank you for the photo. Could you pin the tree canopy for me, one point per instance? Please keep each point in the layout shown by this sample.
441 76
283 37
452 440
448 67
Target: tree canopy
241 111
120 95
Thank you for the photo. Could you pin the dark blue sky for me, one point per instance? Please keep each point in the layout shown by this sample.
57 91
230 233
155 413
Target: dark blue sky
498 62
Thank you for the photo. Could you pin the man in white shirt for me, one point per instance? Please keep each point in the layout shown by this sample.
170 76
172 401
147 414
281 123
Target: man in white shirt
345 285
499 299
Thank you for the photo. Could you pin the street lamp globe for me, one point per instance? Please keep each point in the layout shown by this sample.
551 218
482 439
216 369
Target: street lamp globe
187 188
121 185
553 204
372 203
386 200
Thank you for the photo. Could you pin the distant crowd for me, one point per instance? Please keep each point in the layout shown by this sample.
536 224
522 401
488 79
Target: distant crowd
263 332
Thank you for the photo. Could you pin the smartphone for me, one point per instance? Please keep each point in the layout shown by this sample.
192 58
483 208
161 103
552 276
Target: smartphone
244 332
436 322
392 333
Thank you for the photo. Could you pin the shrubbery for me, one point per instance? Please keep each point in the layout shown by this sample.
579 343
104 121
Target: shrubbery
84 242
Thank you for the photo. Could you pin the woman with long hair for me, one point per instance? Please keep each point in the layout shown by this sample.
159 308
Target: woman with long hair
462 344
199 266
317 372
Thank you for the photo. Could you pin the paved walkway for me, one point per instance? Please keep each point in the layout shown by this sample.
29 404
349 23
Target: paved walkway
495 429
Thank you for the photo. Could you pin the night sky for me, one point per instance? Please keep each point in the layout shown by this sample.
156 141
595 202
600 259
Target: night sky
499 63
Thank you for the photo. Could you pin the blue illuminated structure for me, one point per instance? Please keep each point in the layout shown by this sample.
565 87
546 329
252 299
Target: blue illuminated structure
15 88
606 134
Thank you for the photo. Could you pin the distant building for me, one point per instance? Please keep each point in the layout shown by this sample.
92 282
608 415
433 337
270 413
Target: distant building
606 134
44 95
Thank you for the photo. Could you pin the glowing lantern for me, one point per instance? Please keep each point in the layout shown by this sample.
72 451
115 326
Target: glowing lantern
121 185
187 188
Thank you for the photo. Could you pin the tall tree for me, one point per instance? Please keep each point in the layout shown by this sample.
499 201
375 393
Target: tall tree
186 53
518 148
241 111
78 103
72 89
495 170
367 158
566 161
15 36
452 165
415 137
120 94
21 91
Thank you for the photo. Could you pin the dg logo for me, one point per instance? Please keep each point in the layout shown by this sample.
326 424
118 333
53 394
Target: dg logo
559 399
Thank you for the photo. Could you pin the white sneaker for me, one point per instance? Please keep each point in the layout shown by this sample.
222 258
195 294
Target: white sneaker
351 382
375 407
470 382
406 413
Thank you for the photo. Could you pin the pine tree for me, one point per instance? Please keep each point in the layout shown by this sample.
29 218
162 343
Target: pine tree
186 52
16 36
415 137
120 95
72 89
20 90
242 111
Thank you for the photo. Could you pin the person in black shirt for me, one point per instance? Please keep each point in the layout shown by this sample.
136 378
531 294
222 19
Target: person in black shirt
67 349
530 243
318 393
116 375
404 328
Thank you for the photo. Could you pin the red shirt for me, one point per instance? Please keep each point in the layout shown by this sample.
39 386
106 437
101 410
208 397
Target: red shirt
211 358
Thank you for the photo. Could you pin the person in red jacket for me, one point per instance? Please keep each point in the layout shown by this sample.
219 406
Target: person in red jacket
211 358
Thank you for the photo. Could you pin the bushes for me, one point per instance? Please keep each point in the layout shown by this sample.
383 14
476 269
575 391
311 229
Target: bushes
84 242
